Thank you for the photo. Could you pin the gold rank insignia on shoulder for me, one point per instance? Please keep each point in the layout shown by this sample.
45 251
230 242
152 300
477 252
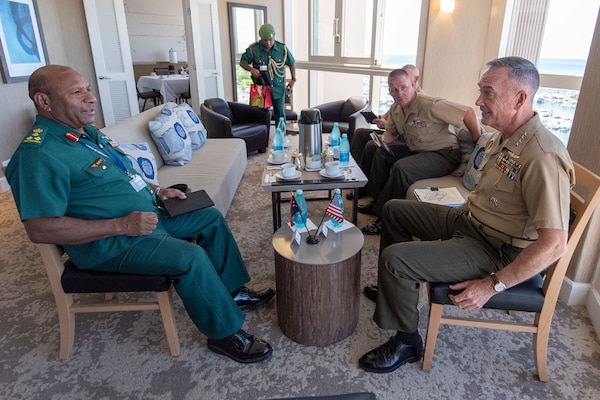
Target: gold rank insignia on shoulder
36 136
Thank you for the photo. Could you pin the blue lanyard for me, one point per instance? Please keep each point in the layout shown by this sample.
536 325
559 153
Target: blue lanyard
112 154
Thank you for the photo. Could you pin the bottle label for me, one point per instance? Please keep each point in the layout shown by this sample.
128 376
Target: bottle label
344 158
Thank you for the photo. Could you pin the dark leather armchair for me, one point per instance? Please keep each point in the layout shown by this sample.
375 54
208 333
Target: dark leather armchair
345 113
226 119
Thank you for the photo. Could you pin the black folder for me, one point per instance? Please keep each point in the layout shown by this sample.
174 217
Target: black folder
194 201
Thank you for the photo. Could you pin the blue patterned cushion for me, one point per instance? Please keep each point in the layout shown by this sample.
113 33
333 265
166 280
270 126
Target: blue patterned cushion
171 137
472 173
192 124
142 159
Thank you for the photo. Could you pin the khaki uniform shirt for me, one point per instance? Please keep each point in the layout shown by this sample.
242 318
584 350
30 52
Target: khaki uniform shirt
525 183
425 127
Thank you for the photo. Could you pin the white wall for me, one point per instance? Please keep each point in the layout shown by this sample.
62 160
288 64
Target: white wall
154 27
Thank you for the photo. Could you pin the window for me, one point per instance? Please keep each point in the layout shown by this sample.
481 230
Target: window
567 37
556 35
342 31
352 45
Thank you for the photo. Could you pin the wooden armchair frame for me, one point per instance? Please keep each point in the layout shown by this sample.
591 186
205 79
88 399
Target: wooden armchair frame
67 307
584 206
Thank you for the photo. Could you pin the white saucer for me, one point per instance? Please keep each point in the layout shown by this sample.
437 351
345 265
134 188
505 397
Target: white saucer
323 173
285 160
296 176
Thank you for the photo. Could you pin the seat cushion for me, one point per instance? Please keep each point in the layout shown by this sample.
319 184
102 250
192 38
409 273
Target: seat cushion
76 280
526 296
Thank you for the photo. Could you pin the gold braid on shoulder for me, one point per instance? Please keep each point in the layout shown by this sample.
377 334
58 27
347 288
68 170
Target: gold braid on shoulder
278 69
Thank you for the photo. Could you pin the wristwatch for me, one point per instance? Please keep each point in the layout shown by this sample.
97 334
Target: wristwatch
498 286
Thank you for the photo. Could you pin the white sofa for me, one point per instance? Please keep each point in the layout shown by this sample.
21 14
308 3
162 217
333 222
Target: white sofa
217 167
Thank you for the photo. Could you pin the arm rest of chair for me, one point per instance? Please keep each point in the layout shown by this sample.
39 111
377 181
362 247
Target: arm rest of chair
356 121
248 114
217 125
331 111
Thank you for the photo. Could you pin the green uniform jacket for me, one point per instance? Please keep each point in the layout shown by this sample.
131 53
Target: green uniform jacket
51 175
256 55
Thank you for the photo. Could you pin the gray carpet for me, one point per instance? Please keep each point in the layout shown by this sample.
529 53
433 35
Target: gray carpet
125 355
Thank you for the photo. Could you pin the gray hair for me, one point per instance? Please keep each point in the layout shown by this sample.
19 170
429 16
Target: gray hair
521 70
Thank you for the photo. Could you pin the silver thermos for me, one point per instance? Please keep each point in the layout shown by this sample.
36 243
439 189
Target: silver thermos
310 128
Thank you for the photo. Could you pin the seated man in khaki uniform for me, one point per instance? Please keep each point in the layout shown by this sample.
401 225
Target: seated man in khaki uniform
420 141
514 225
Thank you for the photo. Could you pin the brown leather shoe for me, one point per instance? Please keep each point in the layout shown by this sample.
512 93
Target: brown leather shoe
241 347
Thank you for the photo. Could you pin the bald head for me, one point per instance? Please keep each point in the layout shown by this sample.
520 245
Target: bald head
44 79
413 73
61 94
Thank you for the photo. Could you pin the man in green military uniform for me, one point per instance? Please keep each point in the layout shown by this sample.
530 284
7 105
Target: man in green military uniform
75 187
268 57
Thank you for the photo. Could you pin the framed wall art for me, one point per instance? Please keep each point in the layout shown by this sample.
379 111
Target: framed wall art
22 48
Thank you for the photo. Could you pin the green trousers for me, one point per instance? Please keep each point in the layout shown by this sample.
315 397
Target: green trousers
204 273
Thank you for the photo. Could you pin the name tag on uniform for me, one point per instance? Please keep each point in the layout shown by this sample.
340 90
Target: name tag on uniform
137 183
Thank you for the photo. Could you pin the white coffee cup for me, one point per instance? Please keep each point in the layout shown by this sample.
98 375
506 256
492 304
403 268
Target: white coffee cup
288 170
332 168
278 156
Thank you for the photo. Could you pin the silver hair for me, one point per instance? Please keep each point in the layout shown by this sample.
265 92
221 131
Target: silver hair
521 70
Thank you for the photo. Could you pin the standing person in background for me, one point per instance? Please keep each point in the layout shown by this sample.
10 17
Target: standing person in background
268 58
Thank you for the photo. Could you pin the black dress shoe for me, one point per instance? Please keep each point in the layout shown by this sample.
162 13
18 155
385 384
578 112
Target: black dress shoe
370 292
374 228
247 299
241 347
390 356
366 208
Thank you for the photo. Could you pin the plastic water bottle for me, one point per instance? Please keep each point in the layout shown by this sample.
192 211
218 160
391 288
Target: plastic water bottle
281 127
340 203
278 140
300 217
335 140
344 151
335 135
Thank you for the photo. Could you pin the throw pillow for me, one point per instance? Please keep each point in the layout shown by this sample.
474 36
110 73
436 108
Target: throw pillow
465 141
171 137
192 124
472 173
142 159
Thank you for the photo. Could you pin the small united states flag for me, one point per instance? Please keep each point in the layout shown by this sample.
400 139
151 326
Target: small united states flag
334 210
